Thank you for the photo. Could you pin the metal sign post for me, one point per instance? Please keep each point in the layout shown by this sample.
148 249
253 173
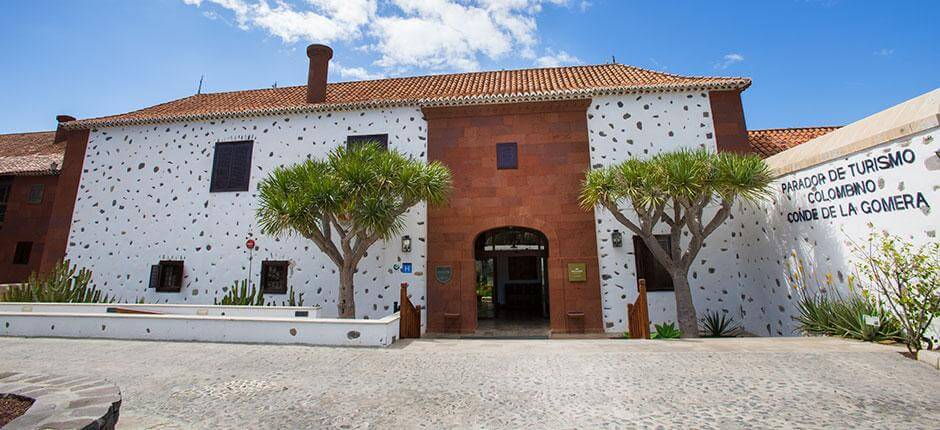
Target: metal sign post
250 244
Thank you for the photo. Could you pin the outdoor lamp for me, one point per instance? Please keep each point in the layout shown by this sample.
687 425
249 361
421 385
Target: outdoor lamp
406 243
616 238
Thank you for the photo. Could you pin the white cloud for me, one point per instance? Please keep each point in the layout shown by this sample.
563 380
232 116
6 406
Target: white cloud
425 34
355 73
555 59
885 52
728 60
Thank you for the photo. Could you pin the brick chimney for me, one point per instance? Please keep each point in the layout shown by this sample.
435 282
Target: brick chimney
320 56
61 133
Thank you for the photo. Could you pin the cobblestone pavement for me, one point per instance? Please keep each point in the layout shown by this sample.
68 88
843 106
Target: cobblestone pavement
557 384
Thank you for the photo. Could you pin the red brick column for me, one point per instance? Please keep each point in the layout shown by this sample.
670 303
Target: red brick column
542 194
60 220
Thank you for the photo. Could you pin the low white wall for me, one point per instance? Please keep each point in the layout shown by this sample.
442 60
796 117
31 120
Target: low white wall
234 329
171 309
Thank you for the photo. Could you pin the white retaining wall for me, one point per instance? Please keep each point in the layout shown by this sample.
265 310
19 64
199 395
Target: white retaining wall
64 321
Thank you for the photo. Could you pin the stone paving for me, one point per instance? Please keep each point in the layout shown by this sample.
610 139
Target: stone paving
447 383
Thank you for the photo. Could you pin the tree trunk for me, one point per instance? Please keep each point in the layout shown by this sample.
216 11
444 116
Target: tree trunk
347 294
685 310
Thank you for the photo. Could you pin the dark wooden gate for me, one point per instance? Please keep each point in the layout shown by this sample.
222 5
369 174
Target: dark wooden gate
638 314
410 323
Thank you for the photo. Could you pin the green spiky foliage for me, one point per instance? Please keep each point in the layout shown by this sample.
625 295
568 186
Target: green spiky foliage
347 202
65 283
294 300
672 192
666 331
718 324
241 294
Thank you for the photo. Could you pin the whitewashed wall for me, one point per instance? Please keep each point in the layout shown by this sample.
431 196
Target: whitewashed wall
641 126
144 197
768 238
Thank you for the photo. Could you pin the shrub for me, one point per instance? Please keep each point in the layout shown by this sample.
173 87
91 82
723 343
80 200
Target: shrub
822 310
666 331
65 283
240 294
718 324
904 278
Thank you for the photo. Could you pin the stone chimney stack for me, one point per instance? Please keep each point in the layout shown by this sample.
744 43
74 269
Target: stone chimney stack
320 56
61 133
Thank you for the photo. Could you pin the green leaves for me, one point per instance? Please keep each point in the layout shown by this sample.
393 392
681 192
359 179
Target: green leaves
666 331
65 283
365 188
682 176
718 324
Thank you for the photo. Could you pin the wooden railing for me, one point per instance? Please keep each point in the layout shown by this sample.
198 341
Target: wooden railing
638 314
410 322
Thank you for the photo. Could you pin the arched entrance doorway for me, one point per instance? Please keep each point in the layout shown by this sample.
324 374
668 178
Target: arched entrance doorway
512 282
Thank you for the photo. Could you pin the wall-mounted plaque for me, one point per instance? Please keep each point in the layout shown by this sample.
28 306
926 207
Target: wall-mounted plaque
577 272
443 274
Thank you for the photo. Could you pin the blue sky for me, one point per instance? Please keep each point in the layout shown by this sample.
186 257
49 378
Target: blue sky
813 62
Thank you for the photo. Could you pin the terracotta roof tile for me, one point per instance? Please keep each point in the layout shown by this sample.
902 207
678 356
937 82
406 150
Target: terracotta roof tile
30 153
459 88
771 141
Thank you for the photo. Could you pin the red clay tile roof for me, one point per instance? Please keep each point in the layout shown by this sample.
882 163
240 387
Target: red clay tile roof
461 88
771 141
30 153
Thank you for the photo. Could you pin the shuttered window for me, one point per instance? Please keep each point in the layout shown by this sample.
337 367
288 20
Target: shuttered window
378 139
21 253
231 166
507 156
5 183
170 276
274 277
648 268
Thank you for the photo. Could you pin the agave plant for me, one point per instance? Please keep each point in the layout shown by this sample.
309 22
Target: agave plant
65 283
718 324
666 331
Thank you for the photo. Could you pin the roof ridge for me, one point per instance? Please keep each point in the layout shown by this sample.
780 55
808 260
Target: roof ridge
795 128
478 72
27 132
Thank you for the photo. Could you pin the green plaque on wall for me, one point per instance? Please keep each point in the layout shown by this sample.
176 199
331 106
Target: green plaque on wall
443 274
577 272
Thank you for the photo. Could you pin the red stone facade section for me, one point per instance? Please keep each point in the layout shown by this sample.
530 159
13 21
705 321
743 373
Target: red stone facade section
25 222
728 117
60 219
542 194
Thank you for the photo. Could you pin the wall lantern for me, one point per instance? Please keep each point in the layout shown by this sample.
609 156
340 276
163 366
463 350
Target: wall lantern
406 243
616 238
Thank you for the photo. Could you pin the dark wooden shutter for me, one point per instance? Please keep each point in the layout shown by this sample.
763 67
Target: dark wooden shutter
154 275
274 276
649 268
380 139
231 166
507 156
170 278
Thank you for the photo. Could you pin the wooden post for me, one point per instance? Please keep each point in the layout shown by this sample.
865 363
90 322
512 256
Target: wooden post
638 314
409 326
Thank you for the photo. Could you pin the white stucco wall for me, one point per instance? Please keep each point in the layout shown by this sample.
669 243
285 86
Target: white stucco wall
767 238
144 197
641 126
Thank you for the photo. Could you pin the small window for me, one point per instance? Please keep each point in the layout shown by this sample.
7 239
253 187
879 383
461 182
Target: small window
5 184
170 276
649 268
35 194
274 277
21 254
231 166
507 156
380 139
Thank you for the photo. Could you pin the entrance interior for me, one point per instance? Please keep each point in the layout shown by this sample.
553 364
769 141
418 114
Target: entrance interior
512 283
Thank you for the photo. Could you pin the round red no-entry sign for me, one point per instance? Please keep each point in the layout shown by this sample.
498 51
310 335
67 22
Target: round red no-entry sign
250 244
